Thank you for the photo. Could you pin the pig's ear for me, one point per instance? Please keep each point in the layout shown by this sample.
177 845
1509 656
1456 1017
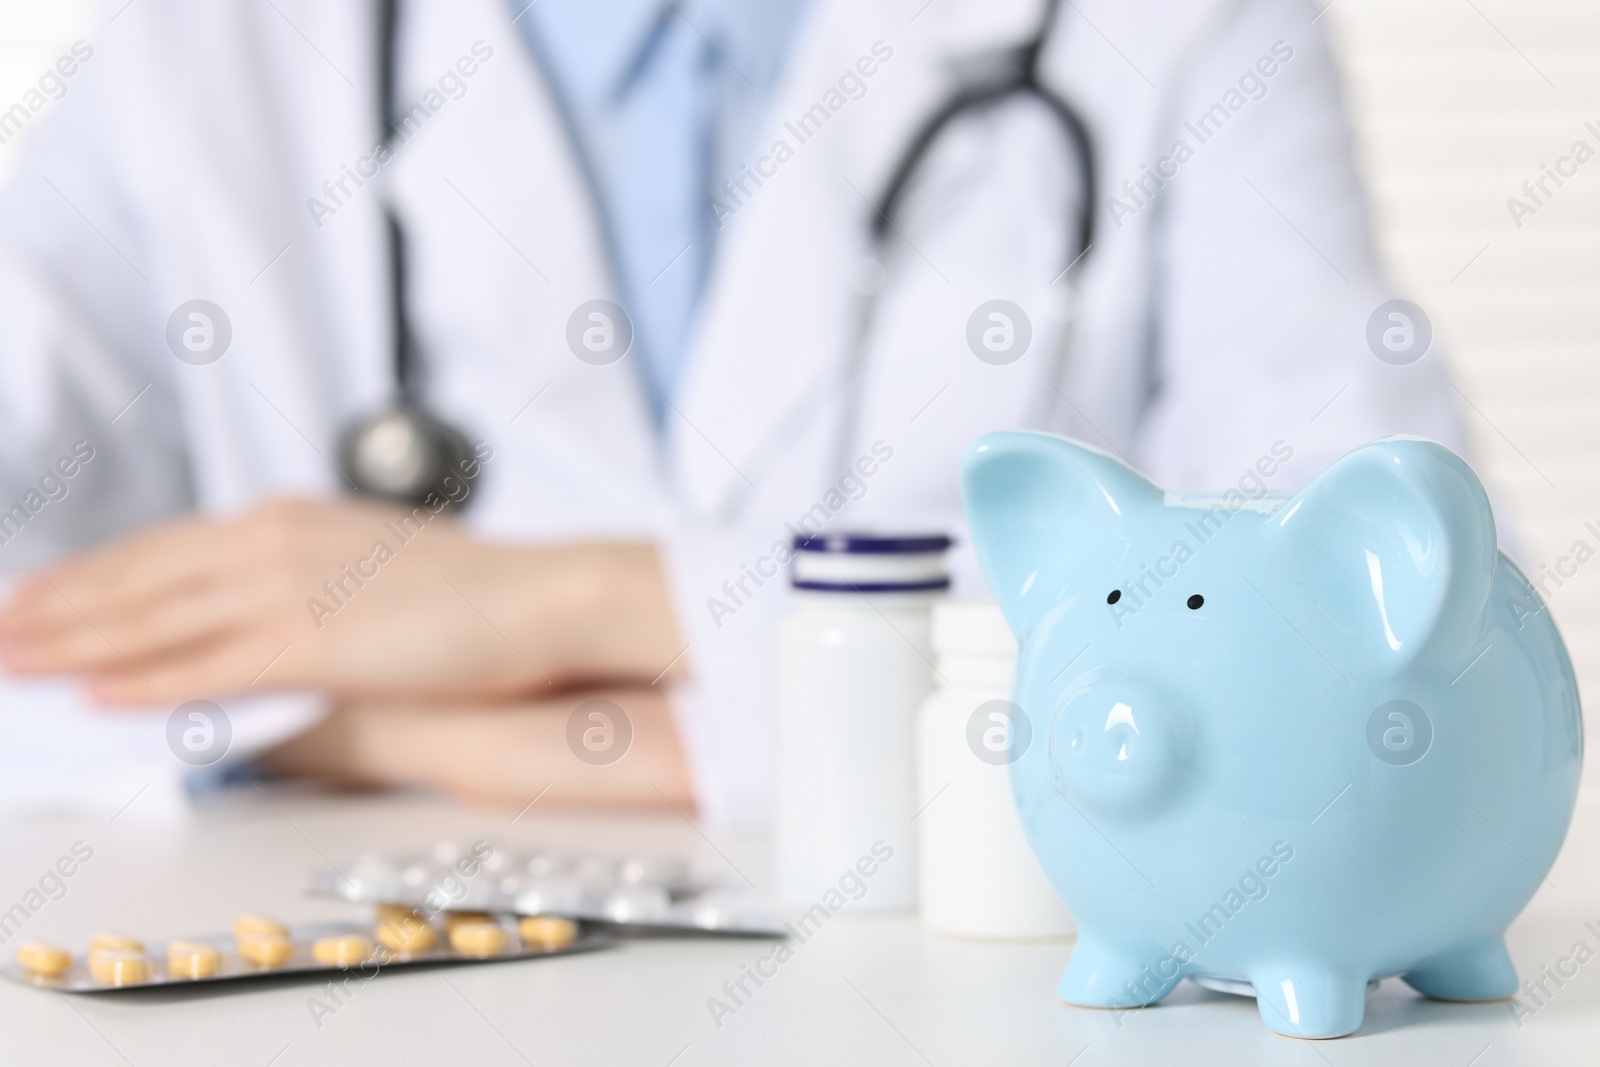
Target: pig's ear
1393 550
1051 519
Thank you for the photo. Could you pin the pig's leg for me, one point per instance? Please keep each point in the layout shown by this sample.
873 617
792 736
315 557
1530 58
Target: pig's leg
1312 1001
1476 969
1107 974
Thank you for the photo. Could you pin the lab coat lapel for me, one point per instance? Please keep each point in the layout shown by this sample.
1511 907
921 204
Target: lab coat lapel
507 254
781 310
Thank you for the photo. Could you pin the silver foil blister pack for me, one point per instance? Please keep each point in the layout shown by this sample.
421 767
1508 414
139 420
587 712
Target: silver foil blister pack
623 894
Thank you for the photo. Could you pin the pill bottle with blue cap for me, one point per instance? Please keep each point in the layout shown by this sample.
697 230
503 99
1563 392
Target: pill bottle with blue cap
852 662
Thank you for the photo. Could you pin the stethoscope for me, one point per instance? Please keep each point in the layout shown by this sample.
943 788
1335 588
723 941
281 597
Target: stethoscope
1010 74
402 453
1014 72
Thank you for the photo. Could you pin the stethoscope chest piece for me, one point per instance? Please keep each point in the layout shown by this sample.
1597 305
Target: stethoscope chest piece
405 455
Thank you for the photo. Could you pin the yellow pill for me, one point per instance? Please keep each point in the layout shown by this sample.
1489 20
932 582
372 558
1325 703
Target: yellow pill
344 951
392 912
114 943
478 938
192 959
258 925
549 932
119 967
265 950
454 918
406 934
46 961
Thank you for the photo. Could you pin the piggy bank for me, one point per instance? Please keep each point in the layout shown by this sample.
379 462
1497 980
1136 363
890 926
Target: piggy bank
1283 744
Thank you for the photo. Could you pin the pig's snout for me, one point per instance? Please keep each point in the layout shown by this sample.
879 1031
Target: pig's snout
1119 747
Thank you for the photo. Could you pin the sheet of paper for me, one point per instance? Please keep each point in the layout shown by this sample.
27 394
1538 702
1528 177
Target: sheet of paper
60 753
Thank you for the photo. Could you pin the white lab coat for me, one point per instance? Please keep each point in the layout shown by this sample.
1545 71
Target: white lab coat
1224 316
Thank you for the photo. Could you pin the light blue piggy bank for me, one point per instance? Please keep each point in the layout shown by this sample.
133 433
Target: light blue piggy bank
1296 743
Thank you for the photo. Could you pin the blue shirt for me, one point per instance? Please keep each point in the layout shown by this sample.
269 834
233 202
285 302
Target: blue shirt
663 99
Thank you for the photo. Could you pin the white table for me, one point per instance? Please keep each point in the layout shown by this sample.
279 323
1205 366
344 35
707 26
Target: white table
864 991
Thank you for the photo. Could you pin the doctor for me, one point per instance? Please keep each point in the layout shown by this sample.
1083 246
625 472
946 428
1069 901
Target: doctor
667 271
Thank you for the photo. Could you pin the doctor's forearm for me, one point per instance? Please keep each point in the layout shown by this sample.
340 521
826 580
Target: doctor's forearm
606 616
327 601
501 753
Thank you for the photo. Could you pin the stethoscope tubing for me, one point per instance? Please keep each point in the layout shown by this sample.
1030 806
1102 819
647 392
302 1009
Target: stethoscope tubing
1020 78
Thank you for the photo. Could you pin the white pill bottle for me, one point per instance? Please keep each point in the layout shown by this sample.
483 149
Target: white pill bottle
852 664
978 876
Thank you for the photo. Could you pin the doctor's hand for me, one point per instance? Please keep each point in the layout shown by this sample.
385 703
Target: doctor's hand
504 752
353 598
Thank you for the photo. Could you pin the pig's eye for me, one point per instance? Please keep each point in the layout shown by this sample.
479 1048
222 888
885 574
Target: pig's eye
1113 596
1195 602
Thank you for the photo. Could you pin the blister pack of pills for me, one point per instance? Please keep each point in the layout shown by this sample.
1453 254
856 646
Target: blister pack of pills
622 894
259 946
